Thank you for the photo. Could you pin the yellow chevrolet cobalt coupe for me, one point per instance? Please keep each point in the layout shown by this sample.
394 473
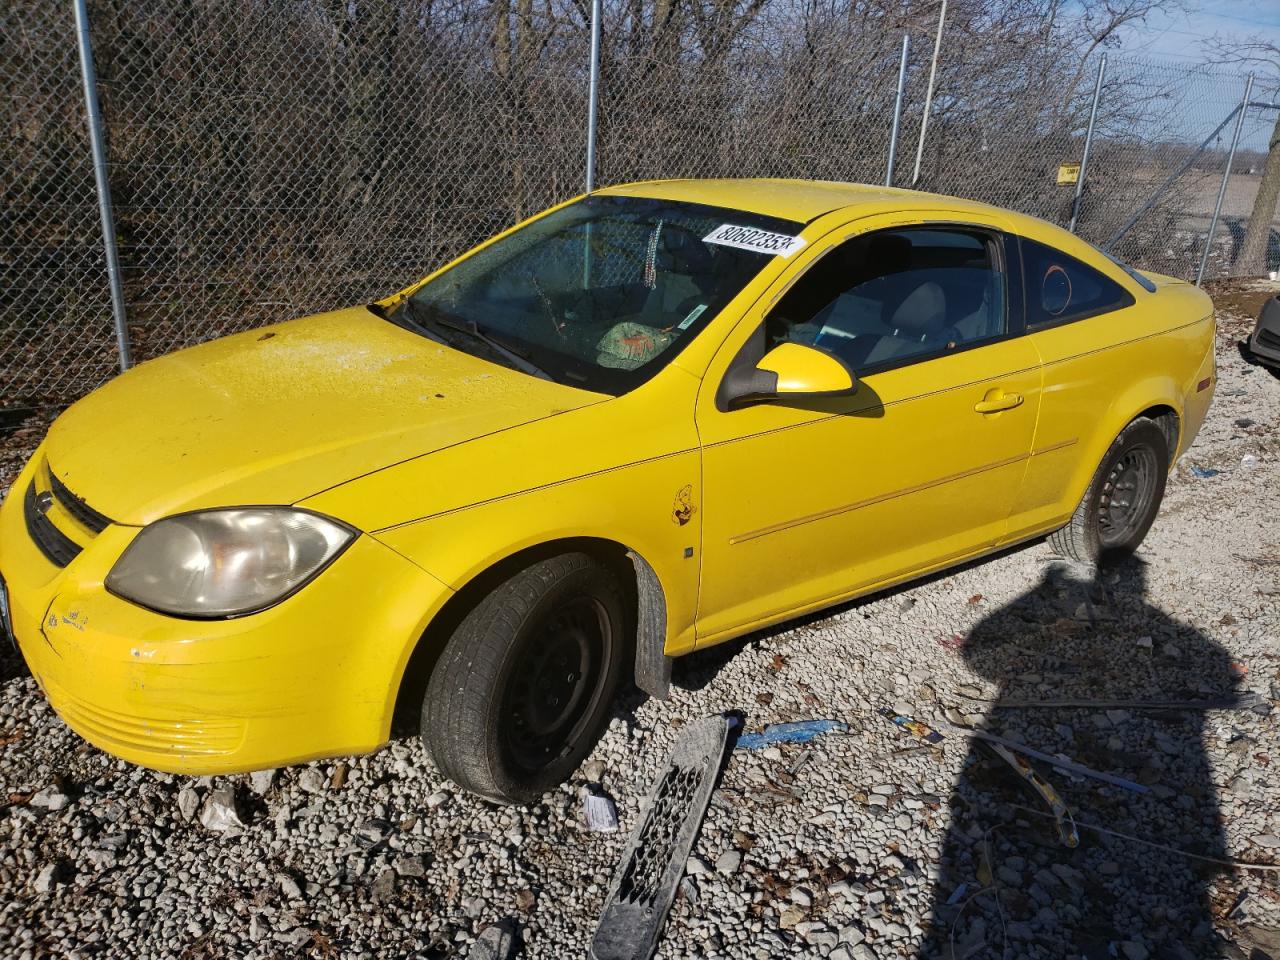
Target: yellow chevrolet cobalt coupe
643 422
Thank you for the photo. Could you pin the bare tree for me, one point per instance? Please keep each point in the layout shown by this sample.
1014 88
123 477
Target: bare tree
1253 248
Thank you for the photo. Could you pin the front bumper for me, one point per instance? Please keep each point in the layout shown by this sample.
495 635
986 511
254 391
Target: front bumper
1265 342
314 676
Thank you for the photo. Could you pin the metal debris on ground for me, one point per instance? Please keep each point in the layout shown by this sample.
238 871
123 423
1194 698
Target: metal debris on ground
801 731
1239 911
915 727
1220 861
1060 763
1062 816
653 861
1245 701
1265 560
911 751
800 761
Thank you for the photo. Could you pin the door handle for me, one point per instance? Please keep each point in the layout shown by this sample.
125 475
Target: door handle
1005 401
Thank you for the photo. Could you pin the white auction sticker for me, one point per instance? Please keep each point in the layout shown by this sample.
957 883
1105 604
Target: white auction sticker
749 238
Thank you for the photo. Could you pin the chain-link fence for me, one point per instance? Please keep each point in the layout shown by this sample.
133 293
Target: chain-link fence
56 338
269 159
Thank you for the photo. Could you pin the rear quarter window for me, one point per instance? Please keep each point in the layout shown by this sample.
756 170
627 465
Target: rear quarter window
1060 289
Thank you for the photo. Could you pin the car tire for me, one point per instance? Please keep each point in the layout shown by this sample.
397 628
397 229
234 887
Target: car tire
524 686
1122 500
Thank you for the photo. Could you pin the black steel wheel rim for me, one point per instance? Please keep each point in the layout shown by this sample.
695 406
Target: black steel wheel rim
1126 496
556 682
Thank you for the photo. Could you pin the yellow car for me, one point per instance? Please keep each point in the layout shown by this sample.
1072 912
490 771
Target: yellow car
640 423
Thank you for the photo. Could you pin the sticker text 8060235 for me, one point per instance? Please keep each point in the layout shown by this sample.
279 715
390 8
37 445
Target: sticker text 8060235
750 238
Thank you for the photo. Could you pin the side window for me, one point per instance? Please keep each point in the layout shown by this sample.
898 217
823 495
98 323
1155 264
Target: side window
886 297
1061 288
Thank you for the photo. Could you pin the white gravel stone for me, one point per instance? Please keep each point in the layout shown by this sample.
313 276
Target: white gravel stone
695 866
43 882
50 798
188 803
729 861
311 780
219 813
260 781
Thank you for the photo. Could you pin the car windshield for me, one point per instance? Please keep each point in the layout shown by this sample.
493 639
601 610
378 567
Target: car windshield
602 293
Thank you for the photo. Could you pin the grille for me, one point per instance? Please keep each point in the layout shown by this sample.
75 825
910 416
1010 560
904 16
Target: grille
88 517
1268 339
53 543
641 882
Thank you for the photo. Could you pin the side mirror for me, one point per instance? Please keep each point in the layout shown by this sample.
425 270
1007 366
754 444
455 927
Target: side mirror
807 371
788 371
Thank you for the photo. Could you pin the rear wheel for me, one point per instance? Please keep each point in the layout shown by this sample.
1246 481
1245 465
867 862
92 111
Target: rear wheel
524 686
1122 500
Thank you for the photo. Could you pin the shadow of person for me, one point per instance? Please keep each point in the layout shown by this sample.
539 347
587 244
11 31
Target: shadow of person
1007 886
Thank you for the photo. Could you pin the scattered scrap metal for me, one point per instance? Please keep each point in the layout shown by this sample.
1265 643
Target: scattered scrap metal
1063 819
652 865
1061 763
915 727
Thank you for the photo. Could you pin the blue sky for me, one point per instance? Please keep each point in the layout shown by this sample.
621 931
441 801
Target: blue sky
1178 39
1179 35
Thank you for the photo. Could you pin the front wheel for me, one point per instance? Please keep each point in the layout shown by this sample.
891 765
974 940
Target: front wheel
1122 500
524 686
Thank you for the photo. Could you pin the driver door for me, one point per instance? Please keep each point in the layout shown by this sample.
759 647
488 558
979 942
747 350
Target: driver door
810 501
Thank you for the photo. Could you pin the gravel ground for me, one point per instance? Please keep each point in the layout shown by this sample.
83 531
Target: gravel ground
849 847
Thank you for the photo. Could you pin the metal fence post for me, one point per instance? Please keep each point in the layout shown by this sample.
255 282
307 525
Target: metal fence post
1226 177
897 111
928 93
98 147
1088 143
593 95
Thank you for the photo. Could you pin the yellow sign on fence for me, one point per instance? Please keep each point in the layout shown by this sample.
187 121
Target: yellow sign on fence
1068 172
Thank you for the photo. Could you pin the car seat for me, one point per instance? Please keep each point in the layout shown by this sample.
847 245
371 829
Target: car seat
916 320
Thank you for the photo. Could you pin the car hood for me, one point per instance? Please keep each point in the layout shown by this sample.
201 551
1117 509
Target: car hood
281 413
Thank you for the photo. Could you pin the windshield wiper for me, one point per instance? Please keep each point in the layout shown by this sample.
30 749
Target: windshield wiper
434 317
404 317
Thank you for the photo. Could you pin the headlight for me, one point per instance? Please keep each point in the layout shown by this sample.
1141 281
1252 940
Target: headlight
223 563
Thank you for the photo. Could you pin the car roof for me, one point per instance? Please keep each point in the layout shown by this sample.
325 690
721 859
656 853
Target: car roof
797 200
803 201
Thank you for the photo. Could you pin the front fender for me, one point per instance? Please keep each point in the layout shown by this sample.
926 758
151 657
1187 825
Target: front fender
648 508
